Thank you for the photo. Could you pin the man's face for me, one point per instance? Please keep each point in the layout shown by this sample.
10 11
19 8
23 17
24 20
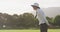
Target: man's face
34 7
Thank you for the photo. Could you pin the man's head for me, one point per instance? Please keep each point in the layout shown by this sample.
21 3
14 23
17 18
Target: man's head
35 6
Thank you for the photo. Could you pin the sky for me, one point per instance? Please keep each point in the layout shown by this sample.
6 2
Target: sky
21 6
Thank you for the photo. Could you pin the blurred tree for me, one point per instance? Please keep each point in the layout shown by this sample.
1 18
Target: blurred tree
26 20
50 20
57 20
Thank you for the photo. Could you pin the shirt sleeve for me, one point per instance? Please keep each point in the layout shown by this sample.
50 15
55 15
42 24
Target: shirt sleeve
46 20
44 17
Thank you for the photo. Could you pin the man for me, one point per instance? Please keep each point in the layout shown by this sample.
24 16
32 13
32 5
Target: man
41 17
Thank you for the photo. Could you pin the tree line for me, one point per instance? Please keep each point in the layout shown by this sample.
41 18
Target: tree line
24 21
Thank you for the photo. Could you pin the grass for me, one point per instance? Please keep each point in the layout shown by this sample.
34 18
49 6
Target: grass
29 30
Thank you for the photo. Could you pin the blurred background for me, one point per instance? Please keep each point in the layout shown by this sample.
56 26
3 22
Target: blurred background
18 14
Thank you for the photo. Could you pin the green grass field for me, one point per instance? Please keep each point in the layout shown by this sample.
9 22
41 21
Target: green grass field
50 30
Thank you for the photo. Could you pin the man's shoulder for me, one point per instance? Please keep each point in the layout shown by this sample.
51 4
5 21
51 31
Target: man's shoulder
40 10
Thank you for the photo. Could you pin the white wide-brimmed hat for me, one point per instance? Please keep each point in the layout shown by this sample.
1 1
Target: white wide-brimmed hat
35 4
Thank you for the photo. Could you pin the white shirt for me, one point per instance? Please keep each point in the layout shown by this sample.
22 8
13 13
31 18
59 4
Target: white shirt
41 17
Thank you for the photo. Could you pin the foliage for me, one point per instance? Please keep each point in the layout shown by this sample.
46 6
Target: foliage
26 20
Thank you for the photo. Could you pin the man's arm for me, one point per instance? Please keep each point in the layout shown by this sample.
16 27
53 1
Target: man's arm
47 22
36 16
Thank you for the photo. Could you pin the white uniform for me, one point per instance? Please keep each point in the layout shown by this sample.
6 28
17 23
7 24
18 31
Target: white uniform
41 17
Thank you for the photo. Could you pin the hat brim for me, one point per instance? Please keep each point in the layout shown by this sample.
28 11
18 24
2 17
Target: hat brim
34 6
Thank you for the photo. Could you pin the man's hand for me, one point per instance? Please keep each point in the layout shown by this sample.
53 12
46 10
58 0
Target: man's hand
35 16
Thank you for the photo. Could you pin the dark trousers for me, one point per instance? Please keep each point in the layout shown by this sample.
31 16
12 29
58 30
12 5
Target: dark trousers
43 27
